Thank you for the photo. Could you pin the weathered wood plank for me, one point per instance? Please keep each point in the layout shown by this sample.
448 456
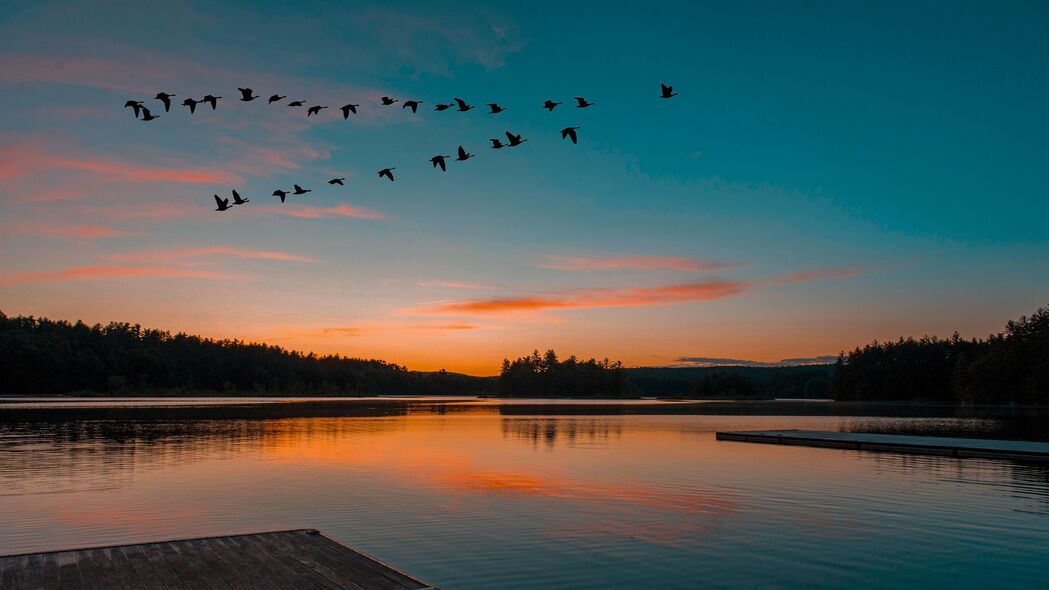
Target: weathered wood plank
12 577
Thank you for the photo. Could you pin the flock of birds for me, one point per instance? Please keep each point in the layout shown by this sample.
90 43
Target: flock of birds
439 161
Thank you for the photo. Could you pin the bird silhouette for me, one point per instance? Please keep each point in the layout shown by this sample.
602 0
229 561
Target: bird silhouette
387 172
165 98
147 116
515 140
496 109
347 109
550 105
296 103
281 194
582 102
275 98
442 107
439 161
337 181
569 132
136 105
496 144
463 107
668 91
192 104
386 100
299 190
237 200
245 94
213 100
314 110
463 155
223 204
412 104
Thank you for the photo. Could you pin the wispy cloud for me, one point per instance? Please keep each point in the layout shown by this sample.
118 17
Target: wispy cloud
308 212
453 285
632 262
175 254
108 272
64 231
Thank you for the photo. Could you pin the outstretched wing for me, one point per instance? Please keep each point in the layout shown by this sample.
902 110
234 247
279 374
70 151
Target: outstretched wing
236 196
219 202
666 89
462 103
462 152
441 162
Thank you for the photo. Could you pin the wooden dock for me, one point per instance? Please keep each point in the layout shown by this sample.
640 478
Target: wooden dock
922 445
297 559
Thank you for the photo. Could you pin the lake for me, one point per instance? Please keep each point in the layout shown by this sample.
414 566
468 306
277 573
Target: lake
493 494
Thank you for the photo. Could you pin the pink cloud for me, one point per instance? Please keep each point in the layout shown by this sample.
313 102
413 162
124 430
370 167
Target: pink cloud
64 231
103 272
308 212
632 262
175 254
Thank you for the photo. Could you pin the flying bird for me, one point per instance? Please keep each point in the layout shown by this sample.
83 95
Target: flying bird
275 98
668 91
496 109
296 103
314 110
192 104
569 133
442 107
412 104
281 194
223 204
496 144
463 155
386 100
515 140
337 181
550 105
237 200
299 190
147 116
214 100
347 109
245 94
387 172
135 105
439 161
582 102
463 107
165 98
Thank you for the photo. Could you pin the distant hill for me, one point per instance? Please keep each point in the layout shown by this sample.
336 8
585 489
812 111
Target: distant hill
807 381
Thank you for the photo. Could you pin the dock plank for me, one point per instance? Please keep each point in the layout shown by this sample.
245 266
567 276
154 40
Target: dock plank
302 558
922 445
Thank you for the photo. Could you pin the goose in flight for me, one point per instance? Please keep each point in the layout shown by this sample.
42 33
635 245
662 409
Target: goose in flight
515 140
496 144
569 133
347 109
463 107
668 91
550 105
275 98
213 100
442 107
387 172
463 155
192 104
299 190
314 110
496 109
386 100
223 204
237 200
165 98
147 116
296 103
337 181
245 94
282 194
439 161
135 105
582 102
411 104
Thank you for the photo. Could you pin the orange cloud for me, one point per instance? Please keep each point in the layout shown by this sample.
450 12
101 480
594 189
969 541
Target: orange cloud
102 272
632 262
65 231
308 212
184 253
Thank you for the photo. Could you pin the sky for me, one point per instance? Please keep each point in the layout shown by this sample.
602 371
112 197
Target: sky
830 173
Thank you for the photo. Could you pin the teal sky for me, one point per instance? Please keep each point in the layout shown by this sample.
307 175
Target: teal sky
831 173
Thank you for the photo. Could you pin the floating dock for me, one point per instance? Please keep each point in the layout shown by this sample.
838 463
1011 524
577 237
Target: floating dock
297 559
921 445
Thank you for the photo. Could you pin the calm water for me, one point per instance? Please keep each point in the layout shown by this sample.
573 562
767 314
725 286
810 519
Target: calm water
479 495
